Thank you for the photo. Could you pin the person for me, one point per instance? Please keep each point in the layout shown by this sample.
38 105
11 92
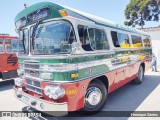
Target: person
154 63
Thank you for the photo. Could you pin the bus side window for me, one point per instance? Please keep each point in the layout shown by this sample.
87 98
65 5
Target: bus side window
147 42
84 40
1 46
101 40
115 39
123 40
8 45
92 38
136 41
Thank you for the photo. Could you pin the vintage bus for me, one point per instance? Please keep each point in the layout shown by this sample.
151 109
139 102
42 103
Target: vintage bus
72 60
9 47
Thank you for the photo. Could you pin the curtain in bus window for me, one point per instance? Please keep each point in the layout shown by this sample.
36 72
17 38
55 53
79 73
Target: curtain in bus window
81 33
84 38
115 39
1 46
91 33
123 40
136 40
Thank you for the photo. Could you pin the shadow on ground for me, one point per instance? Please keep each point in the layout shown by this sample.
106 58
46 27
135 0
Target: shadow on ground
6 85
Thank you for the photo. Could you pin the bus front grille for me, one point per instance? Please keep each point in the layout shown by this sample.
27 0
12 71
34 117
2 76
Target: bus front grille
31 69
34 86
31 65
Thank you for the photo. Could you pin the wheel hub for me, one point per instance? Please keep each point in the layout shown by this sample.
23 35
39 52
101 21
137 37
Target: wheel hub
93 97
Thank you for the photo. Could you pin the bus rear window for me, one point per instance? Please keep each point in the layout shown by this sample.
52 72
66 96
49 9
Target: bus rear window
1 46
136 41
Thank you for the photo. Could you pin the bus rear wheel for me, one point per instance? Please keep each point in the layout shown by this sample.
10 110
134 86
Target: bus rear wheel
95 97
140 75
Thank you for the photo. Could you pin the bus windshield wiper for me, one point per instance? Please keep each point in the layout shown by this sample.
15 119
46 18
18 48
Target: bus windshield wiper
34 31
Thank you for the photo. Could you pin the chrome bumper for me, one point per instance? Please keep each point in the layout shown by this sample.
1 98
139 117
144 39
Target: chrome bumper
55 109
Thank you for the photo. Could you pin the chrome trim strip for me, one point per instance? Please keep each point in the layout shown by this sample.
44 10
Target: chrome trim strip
34 91
31 63
96 75
31 69
86 77
33 78
85 53
33 86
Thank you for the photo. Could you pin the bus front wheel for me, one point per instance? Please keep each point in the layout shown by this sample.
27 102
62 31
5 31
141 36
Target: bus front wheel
95 96
140 75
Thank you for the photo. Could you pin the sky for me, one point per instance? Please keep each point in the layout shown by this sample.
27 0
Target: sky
109 9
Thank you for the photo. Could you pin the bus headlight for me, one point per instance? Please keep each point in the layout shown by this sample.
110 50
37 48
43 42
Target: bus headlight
54 92
18 82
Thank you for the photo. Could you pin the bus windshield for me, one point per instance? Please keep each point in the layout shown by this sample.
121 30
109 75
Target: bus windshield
53 37
14 45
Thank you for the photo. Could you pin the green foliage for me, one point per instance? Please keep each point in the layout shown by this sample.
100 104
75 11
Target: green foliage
139 11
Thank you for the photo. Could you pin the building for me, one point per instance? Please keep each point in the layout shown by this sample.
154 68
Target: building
154 32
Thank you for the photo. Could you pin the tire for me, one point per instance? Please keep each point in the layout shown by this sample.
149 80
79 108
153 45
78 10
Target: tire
95 97
140 76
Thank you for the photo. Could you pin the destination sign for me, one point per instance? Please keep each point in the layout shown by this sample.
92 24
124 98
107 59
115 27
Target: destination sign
38 15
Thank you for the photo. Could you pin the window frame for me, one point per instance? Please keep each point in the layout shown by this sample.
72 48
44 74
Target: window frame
142 46
3 46
144 38
93 27
47 21
16 39
124 33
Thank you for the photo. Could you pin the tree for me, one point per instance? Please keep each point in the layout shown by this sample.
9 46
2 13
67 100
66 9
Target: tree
139 11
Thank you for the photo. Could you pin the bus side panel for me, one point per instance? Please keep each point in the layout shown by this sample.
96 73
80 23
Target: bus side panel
148 64
11 62
114 78
129 73
8 66
3 63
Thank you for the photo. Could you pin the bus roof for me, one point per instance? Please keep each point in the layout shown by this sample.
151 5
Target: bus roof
55 8
3 36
